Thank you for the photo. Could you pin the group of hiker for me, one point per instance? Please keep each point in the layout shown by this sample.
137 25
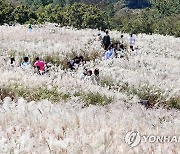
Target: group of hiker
111 50
39 65
90 75
75 62
115 49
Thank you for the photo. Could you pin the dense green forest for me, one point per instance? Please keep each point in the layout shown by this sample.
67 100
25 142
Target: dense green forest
133 16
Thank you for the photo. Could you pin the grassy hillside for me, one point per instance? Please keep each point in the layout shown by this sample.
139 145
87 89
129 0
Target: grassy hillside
60 112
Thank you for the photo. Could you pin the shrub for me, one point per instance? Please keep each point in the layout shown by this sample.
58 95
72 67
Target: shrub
6 92
174 102
33 94
96 99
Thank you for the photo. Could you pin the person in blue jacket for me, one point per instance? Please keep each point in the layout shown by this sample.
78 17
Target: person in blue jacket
109 53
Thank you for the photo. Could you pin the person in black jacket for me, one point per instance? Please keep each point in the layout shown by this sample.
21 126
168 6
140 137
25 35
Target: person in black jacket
106 41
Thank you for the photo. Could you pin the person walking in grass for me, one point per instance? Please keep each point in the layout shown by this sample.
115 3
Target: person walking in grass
106 40
30 28
122 42
131 42
12 62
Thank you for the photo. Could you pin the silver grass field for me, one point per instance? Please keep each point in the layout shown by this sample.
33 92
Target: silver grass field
60 113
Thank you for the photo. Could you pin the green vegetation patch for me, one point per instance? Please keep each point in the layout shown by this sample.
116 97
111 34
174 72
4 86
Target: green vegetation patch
32 94
174 102
96 99
41 93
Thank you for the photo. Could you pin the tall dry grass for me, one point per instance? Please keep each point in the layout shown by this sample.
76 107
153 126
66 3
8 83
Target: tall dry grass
60 113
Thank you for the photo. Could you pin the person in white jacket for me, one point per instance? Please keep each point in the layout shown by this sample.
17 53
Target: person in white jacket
131 42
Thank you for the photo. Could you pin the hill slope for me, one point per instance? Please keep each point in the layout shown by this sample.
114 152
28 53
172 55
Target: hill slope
82 116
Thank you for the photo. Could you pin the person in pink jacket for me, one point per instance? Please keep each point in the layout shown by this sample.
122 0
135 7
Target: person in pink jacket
40 65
